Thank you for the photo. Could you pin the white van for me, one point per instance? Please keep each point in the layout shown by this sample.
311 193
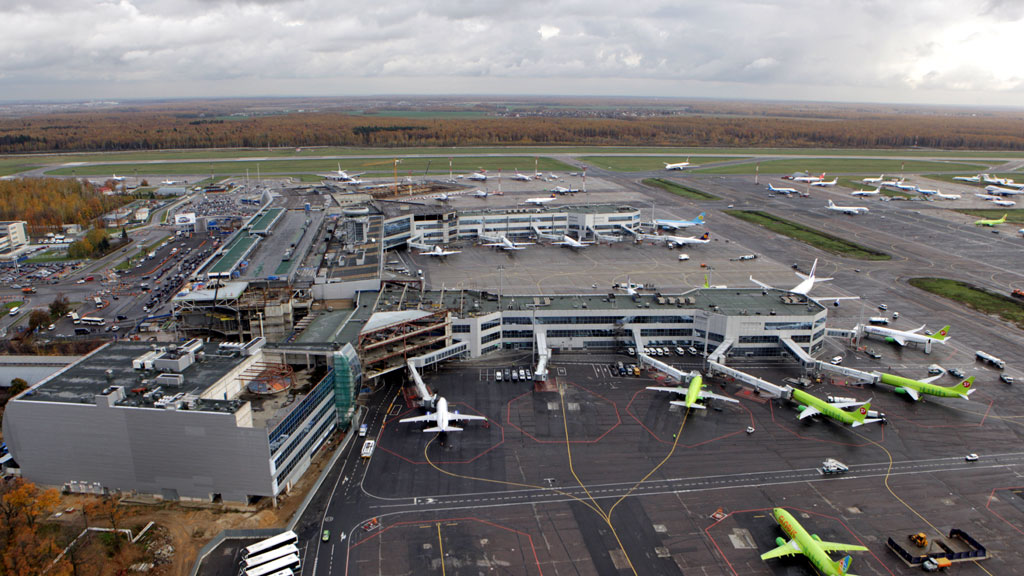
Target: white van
14 311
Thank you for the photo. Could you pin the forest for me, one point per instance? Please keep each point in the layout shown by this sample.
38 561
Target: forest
46 203
228 124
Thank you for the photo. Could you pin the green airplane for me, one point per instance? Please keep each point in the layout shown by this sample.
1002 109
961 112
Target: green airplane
914 388
811 405
990 222
813 548
694 391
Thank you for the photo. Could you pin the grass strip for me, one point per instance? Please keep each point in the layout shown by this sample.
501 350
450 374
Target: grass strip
816 238
678 189
980 299
1015 216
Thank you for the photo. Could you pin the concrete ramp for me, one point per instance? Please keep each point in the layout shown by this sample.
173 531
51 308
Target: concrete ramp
764 386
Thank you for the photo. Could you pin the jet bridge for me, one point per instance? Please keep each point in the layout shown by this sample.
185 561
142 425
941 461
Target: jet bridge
799 353
417 243
425 397
660 366
721 350
604 237
543 355
859 375
765 386
843 333
628 229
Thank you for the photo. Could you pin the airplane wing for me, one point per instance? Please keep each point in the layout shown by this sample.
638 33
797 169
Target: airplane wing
667 389
683 404
916 330
425 418
808 412
761 284
931 379
912 393
706 395
790 548
840 547
845 405
866 421
455 416
899 340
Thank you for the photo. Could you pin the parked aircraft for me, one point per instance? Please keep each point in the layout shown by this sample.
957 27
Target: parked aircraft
810 546
782 190
677 165
564 190
904 186
480 194
1004 203
805 178
971 179
572 242
901 337
984 222
539 201
521 177
504 243
938 195
914 388
987 179
807 284
677 224
673 241
1002 191
117 178
873 180
693 392
343 176
439 252
811 405
825 184
852 210
874 192
988 197
442 417
171 182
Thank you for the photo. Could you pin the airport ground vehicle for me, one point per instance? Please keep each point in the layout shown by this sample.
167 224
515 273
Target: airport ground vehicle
986 357
833 466
1006 378
326 535
363 429
14 311
278 541
368 447
28 290
971 457
919 539
878 320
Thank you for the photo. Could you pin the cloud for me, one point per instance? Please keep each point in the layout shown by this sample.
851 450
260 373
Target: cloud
917 50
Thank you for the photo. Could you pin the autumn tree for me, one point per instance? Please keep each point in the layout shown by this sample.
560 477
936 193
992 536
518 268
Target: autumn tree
18 385
60 306
37 318
24 549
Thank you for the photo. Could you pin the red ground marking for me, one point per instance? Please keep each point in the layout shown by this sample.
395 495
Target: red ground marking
988 506
749 395
462 519
790 508
655 436
618 420
801 436
388 421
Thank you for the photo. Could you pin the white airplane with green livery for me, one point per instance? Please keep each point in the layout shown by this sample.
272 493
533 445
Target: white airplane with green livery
812 405
901 337
915 388
810 546
693 392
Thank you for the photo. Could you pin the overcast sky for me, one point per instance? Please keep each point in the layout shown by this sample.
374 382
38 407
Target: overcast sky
915 51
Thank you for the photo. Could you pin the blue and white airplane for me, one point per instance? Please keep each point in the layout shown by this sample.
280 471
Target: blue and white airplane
782 190
677 224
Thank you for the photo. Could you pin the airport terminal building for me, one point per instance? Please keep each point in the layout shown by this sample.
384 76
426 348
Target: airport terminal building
199 421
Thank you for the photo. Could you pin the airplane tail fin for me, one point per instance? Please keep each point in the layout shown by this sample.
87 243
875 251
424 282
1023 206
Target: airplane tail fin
706 281
964 387
831 204
705 236
941 334
843 564
700 217
861 412
1003 219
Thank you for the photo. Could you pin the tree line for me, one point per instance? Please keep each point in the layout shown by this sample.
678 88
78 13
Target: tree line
154 129
47 203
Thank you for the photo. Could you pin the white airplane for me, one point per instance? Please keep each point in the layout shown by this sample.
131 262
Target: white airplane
170 182
539 201
808 178
439 252
630 287
677 224
782 190
505 244
942 196
1004 203
572 242
673 241
873 180
343 176
927 192
564 190
521 177
824 184
972 179
852 210
874 192
442 417
988 197
807 284
903 186
477 176
693 392
901 337
480 194
677 165
117 178
997 180
443 197
1003 191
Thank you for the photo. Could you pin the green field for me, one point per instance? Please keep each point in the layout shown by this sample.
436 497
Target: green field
872 166
679 189
818 239
49 256
1015 216
648 163
8 305
372 166
980 299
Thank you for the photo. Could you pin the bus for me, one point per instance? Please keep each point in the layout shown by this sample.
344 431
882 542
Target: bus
282 539
14 311
290 562
266 557
92 321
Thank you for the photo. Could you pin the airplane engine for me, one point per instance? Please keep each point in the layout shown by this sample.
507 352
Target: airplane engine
816 537
780 541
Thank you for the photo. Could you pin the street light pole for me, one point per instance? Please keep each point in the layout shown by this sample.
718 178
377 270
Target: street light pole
501 282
